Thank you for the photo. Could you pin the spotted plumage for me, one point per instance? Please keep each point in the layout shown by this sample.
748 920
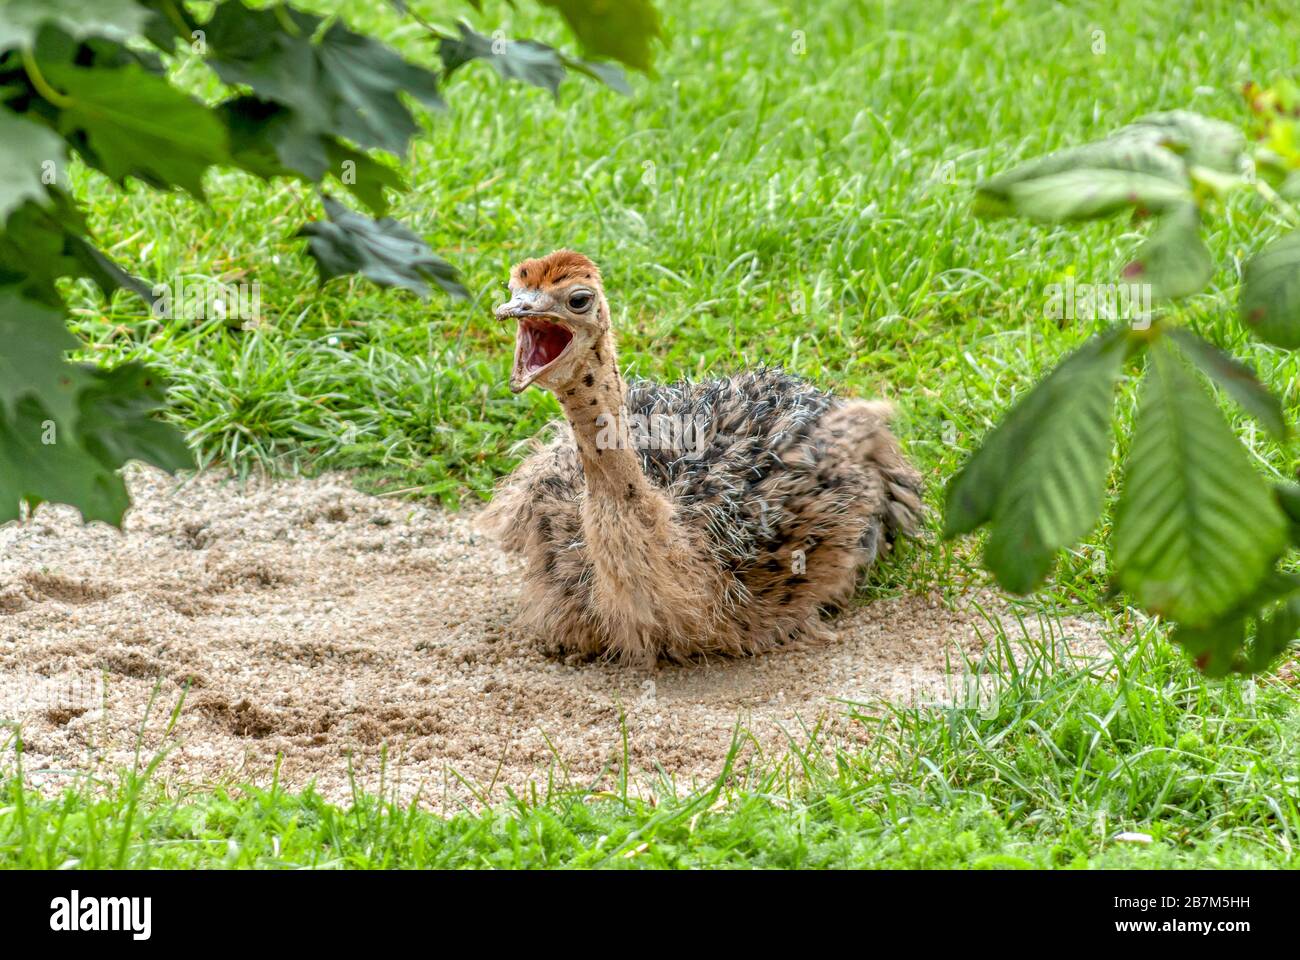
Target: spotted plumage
733 537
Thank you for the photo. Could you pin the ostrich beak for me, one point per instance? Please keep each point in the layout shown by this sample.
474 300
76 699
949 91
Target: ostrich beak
540 339
540 343
516 306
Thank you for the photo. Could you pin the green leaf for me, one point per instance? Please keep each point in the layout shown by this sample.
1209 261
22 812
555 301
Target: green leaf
33 255
339 83
610 74
1221 647
1053 492
106 274
269 140
65 428
1124 154
1202 141
1236 378
40 459
116 426
1196 528
40 245
1040 476
21 20
364 77
1144 165
1274 634
1270 292
622 30
74 460
1214 648
383 250
270 50
56 46
1174 259
1288 498
25 148
1087 194
525 60
33 342
137 124
362 175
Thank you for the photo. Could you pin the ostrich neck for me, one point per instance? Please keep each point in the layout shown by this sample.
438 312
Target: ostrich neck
641 561
594 406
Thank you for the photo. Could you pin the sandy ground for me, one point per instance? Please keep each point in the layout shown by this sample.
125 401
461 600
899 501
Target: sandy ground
332 627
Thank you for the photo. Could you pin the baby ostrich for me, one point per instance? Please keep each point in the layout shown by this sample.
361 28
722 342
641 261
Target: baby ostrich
675 521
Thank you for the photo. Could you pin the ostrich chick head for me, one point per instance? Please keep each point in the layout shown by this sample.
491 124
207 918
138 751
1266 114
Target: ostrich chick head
562 313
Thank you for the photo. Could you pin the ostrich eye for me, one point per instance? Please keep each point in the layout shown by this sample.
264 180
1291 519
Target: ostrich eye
580 301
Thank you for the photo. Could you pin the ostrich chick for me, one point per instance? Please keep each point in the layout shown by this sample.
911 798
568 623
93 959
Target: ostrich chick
680 520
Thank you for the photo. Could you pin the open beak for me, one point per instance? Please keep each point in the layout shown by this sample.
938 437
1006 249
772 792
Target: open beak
540 341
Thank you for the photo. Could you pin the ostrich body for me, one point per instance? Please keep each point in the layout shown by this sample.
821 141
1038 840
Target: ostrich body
679 520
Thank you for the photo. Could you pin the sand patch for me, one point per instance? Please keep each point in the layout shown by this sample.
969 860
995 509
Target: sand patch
313 621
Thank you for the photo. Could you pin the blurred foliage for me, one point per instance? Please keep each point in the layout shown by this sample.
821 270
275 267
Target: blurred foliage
1198 533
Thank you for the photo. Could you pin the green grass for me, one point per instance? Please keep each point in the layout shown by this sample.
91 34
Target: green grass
748 205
